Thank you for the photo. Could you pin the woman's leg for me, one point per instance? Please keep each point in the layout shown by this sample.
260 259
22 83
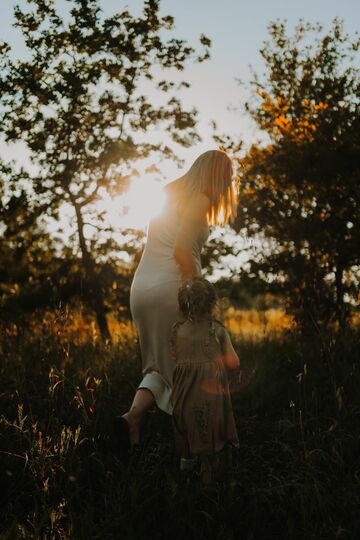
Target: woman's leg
143 401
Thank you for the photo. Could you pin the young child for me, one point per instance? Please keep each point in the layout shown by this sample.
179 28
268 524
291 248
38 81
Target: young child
202 411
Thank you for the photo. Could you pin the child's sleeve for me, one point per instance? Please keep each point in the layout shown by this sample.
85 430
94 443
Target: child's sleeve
230 358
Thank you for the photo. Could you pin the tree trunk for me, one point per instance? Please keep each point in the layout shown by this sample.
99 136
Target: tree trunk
96 296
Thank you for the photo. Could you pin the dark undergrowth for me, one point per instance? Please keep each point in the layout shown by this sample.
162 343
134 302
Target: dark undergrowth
296 474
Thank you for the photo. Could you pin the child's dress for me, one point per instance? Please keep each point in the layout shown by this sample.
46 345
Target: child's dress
202 409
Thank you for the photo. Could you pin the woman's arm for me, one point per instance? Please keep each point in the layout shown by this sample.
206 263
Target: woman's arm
193 217
230 358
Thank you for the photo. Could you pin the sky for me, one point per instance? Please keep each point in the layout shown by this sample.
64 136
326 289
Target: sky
237 29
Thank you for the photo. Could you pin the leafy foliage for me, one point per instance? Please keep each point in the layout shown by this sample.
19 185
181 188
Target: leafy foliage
299 189
76 103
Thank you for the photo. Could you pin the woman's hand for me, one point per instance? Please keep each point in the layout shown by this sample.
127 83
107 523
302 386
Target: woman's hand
186 263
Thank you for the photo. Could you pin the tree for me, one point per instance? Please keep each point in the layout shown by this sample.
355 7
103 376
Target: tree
76 103
28 253
300 187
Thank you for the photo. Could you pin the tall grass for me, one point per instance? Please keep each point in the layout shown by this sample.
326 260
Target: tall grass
295 476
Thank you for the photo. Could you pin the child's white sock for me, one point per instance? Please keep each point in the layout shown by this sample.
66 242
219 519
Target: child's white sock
187 464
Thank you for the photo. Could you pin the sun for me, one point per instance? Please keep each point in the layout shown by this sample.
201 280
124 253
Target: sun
143 200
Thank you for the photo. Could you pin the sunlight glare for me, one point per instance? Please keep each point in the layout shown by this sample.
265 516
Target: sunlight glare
143 201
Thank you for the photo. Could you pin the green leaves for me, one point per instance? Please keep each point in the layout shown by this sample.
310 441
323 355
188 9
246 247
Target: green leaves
76 102
295 188
65 90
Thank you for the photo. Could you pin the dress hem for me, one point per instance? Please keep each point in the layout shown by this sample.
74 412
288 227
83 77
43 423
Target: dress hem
157 385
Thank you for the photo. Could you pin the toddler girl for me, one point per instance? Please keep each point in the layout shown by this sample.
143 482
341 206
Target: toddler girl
202 410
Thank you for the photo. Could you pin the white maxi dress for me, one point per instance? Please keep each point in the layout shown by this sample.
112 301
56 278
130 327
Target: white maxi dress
154 305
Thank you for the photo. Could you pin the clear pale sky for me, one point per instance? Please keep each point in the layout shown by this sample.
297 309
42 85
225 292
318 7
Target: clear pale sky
237 29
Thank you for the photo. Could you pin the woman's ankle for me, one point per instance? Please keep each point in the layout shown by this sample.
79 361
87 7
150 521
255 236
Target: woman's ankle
131 418
134 427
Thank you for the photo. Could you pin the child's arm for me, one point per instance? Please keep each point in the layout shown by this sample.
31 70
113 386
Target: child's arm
230 358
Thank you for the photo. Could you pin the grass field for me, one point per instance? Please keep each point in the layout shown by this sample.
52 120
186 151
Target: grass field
295 476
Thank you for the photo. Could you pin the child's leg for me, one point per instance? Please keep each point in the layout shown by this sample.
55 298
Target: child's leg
219 464
182 444
226 464
226 459
209 466
187 461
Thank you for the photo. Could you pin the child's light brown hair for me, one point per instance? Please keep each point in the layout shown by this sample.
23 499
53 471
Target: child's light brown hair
197 298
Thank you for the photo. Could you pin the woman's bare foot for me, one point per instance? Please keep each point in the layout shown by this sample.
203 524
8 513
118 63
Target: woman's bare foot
143 401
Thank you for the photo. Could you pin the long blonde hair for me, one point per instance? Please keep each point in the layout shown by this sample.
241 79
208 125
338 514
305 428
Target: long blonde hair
211 174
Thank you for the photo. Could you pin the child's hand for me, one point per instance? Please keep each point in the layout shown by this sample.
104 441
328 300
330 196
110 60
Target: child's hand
240 379
246 376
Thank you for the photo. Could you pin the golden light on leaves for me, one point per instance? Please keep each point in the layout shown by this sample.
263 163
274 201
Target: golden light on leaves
282 123
257 324
248 191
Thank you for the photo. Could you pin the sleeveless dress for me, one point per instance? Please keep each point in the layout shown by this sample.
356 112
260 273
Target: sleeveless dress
202 408
154 301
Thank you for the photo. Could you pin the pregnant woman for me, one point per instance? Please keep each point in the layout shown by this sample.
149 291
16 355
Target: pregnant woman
203 196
